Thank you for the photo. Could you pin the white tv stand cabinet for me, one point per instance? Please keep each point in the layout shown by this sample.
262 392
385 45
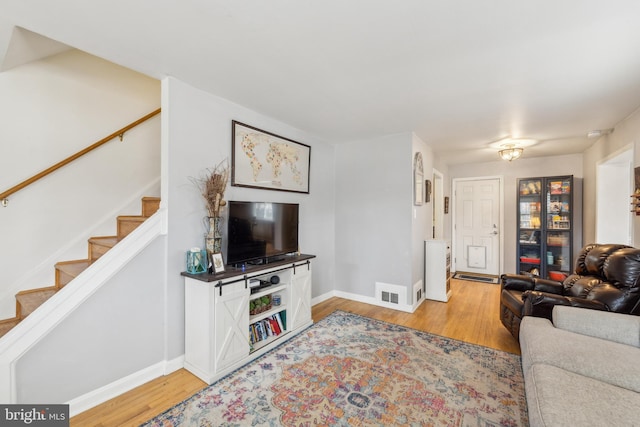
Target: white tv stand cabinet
218 326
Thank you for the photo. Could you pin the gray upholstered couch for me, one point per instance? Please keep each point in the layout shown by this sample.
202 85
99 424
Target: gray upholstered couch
583 369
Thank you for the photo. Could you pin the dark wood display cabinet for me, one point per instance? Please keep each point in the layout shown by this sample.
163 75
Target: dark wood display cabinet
545 221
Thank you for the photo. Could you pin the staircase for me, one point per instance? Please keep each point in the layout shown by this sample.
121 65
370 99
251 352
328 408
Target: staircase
27 301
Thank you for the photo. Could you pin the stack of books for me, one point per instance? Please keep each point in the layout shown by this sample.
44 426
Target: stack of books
268 327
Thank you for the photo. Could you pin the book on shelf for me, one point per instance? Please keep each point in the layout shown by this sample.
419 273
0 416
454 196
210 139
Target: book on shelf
268 327
280 320
275 327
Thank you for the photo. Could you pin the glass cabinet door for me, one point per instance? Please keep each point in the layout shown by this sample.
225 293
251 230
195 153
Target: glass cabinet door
558 222
529 225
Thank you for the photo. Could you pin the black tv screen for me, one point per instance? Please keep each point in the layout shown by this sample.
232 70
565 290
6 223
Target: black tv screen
261 231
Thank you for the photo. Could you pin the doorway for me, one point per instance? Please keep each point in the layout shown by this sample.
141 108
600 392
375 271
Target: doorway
477 225
614 184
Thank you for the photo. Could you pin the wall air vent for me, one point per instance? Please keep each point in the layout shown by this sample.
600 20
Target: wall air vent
418 293
390 297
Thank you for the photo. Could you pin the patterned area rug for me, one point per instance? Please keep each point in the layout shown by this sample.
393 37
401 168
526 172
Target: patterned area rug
349 370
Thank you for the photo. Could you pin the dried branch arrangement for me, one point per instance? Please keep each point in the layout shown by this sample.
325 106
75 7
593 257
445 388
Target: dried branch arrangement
212 185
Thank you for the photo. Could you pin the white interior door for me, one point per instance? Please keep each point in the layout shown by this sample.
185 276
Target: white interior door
477 226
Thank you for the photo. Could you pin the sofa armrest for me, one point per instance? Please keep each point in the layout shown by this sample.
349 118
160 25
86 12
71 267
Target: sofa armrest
617 327
517 282
520 282
541 304
549 286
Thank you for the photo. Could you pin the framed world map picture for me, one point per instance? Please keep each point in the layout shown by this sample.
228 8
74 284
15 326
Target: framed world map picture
261 159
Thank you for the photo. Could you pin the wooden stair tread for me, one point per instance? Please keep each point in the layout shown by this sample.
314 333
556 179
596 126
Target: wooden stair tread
74 267
100 245
66 271
7 324
140 218
104 240
128 223
32 299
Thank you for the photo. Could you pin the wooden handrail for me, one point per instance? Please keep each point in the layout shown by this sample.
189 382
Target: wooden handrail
120 133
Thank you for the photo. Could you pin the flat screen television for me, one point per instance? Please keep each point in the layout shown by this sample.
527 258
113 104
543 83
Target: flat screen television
259 232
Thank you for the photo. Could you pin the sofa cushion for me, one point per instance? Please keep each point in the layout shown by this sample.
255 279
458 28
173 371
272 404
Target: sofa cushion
621 328
556 397
542 343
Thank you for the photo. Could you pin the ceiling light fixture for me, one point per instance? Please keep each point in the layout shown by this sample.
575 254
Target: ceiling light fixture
510 152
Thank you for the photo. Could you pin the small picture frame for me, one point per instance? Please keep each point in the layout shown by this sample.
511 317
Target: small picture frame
427 186
418 176
446 204
218 263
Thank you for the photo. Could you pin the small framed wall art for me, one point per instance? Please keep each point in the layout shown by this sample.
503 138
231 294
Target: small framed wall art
418 176
261 159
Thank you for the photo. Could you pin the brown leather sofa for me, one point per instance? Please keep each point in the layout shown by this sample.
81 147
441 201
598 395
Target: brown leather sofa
606 277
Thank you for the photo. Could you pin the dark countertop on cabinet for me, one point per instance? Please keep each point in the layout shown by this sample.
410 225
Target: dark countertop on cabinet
231 271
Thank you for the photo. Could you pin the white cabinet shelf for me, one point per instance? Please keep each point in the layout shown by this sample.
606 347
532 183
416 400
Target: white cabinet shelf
265 314
219 330
267 291
264 343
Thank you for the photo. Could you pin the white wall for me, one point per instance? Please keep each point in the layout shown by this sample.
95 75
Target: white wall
115 333
374 196
196 136
422 218
51 109
614 185
627 132
511 171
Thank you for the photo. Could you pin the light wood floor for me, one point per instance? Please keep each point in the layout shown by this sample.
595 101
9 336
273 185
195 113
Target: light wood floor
471 315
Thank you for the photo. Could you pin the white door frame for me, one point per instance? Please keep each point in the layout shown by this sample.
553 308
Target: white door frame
437 230
454 183
622 163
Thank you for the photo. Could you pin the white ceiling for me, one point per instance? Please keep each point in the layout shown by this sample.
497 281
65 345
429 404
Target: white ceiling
461 74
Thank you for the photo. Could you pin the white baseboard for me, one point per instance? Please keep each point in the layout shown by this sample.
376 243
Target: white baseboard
362 298
322 298
123 385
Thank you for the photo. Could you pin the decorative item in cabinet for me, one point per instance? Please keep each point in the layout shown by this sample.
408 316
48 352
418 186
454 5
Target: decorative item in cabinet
530 236
530 187
259 305
557 240
635 203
